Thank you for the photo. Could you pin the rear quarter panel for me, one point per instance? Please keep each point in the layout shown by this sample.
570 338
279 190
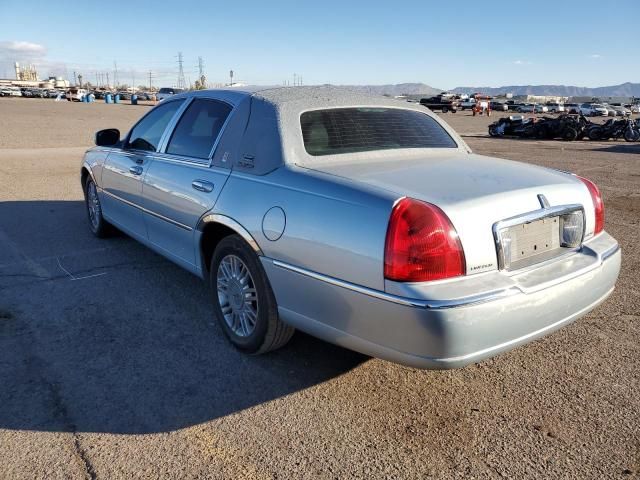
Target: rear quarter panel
331 227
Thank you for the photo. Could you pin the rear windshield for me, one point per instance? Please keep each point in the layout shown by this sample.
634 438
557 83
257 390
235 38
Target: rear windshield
350 130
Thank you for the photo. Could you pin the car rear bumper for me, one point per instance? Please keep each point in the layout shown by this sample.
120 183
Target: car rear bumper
448 324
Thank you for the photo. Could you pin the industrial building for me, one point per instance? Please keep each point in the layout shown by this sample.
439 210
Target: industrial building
28 77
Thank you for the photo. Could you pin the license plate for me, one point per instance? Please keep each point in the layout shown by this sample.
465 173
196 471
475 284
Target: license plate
523 242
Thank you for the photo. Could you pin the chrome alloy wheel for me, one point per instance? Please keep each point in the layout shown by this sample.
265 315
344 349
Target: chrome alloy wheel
237 295
93 205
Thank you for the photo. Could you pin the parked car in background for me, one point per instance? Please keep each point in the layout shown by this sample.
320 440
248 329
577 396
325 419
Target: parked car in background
10 92
468 103
303 209
555 107
620 110
572 108
532 108
124 95
441 102
75 94
593 109
166 92
498 106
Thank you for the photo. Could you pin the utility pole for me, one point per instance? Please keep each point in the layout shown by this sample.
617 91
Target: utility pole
115 74
108 84
75 82
231 78
181 80
294 80
150 77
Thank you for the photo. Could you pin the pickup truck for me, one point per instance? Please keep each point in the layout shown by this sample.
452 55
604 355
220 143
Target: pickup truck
443 104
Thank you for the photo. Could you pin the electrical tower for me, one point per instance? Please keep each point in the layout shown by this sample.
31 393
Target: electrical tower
181 81
202 79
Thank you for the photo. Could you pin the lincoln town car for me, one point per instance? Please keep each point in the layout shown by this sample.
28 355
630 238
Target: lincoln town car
362 220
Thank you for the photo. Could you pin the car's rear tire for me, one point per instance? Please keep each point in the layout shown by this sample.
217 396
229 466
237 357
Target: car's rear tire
97 224
243 301
445 109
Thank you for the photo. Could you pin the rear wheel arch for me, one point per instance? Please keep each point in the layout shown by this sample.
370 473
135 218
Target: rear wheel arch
216 227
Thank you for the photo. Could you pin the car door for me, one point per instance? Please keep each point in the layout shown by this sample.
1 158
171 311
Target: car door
182 183
125 168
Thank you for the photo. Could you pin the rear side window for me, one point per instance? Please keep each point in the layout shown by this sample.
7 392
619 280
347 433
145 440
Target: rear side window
198 128
350 130
147 133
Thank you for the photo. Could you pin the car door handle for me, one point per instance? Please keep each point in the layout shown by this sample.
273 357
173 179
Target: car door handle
202 186
136 170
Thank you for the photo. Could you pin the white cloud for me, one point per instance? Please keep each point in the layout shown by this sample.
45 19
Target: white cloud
18 50
595 55
522 62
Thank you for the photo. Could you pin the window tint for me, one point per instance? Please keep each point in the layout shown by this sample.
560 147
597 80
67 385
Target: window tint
348 130
146 134
198 128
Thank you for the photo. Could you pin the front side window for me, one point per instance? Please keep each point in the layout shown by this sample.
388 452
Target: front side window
361 129
198 128
147 133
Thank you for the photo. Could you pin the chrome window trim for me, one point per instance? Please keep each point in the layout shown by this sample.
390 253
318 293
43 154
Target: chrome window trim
164 142
146 210
532 217
126 139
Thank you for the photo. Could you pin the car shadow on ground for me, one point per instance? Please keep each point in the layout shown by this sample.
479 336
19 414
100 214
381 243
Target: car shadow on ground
620 148
106 336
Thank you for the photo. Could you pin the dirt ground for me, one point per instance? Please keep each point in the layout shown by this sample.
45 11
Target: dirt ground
111 365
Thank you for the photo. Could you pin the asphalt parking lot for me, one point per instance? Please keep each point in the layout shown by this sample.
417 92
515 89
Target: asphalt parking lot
111 365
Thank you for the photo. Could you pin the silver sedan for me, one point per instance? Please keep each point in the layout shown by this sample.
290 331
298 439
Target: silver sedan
362 220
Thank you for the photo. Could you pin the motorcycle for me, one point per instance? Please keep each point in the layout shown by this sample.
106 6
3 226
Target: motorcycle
624 128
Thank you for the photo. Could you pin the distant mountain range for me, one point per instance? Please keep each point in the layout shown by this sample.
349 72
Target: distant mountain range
394 90
623 90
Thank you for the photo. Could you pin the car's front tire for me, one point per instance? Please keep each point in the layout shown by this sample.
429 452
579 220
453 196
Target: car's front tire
243 301
97 224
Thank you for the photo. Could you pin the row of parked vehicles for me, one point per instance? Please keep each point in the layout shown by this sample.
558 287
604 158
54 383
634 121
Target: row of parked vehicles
448 103
71 94
566 127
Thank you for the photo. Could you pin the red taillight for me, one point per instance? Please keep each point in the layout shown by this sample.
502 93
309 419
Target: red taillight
421 244
598 204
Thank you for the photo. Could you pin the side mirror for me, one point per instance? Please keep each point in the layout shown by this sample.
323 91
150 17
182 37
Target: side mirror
108 137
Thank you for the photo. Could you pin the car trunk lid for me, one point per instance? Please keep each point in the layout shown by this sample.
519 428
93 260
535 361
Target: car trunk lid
474 191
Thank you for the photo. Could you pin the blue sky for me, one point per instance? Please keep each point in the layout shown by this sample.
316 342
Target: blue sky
443 44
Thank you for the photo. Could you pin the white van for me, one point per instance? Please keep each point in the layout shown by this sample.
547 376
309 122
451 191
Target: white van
75 94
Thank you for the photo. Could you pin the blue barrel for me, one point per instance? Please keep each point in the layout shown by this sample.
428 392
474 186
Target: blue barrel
134 99
84 99
116 99
108 98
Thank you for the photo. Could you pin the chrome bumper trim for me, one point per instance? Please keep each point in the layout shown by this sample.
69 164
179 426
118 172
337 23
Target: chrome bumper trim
438 304
409 302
